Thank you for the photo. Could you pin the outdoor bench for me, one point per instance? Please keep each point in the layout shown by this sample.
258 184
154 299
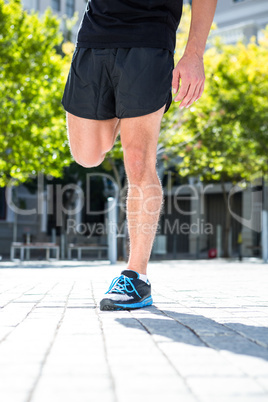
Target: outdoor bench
80 247
33 246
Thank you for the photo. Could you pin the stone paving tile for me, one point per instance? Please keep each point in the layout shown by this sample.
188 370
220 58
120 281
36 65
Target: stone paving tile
237 398
205 339
215 386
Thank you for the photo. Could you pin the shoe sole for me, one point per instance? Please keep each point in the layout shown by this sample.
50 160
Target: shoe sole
109 305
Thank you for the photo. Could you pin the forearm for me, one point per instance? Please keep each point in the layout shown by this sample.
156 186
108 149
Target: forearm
201 20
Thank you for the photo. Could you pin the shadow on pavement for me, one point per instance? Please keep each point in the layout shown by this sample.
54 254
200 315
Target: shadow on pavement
201 331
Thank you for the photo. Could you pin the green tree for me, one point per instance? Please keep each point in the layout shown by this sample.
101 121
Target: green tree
32 76
224 136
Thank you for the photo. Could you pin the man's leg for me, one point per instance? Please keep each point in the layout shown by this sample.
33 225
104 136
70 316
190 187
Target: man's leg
89 140
139 137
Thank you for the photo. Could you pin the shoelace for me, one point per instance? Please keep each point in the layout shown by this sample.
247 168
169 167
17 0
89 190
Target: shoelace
120 284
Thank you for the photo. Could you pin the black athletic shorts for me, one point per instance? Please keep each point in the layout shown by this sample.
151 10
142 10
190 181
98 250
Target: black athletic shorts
118 82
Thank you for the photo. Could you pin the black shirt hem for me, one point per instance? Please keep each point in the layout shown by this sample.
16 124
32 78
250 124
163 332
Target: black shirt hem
109 45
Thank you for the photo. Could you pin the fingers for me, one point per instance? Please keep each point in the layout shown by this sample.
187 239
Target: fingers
184 91
175 81
197 94
201 90
188 79
192 99
186 94
189 93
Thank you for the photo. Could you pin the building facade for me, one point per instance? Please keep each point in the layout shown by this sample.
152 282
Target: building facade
240 19
62 8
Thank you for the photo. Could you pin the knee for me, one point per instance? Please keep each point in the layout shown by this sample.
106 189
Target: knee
88 160
137 164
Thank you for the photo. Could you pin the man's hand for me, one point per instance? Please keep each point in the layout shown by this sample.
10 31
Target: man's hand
189 79
188 75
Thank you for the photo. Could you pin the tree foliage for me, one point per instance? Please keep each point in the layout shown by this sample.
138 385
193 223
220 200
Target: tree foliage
32 77
225 134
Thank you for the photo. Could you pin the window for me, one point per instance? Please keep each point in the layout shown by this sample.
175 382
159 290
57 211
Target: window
70 8
55 4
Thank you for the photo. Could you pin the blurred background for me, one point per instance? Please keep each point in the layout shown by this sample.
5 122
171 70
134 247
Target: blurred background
211 159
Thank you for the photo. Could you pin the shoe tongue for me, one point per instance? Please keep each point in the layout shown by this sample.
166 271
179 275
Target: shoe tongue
130 274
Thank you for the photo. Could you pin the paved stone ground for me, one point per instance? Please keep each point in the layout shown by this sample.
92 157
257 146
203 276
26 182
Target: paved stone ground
204 339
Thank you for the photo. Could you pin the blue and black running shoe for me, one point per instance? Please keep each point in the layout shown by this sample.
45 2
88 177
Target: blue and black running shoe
127 292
